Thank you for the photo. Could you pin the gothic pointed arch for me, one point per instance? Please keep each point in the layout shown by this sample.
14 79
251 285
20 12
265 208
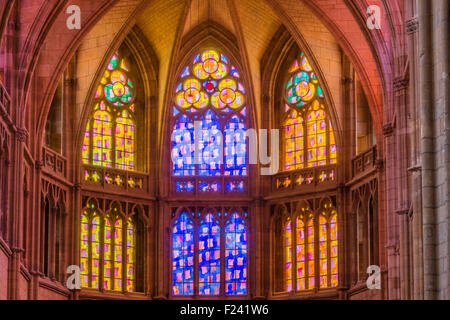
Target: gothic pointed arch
210 91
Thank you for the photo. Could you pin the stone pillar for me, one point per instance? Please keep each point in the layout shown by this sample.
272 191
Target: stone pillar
415 170
441 124
427 148
258 218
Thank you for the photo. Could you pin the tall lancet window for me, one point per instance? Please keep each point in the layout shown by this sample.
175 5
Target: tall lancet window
308 134
209 252
110 136
209 119
108 255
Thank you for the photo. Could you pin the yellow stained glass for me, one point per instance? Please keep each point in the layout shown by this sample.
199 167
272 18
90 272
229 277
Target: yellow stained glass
316 138
305 251
333 148
107 249
210 54
84 251
118 254
110 133
323 252
95 244
294 142
131 251
310 255
102 139
125 142
305 102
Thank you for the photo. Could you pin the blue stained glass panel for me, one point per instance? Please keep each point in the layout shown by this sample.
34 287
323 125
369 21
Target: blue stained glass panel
235 148
209 256
235 256
183 256
182 152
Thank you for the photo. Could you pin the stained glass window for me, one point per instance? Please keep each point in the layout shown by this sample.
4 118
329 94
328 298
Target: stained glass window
183 255
305 250
102 251
131 255
90 248
110 136
236 256
209 256
315 265
288 254
113 251
222 239
211 94
309 139
328 237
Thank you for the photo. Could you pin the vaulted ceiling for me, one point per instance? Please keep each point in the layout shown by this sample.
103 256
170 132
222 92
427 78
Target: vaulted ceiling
323 28
166 23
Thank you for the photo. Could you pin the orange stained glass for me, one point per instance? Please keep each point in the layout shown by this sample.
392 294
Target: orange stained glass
288 253
313 144
301 255
131 252
316 138
294 142
305 253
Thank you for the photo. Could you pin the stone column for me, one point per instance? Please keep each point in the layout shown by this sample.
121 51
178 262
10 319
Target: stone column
415 171
427 147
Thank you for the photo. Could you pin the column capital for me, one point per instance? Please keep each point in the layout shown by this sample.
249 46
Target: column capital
412 25
400 83
21 134
388 129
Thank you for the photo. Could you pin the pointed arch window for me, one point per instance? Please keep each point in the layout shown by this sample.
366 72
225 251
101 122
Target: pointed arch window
314 235
209 120
308 135
209 253
105 241
110 135
90 248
